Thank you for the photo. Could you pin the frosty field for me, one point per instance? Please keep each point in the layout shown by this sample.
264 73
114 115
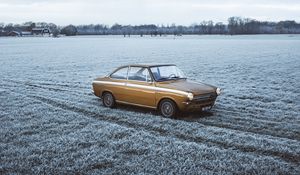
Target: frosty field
50 122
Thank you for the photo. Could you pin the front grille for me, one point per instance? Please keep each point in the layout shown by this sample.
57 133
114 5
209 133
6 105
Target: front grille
205 97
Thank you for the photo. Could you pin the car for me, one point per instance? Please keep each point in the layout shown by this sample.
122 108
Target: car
163 87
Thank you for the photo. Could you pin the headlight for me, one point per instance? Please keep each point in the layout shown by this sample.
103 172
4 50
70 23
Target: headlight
218 91
190 96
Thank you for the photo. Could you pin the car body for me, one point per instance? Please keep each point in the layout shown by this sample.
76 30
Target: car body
150 85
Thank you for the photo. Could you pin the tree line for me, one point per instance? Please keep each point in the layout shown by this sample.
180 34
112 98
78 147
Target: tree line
235 26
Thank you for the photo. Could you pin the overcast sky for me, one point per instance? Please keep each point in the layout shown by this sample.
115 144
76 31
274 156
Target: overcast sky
184 12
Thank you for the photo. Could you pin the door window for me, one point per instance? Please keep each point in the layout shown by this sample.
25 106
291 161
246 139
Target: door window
139 74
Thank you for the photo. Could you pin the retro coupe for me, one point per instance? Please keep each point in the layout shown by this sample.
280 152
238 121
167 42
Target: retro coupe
158 86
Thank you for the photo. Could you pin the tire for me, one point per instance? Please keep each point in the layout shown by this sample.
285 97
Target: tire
108 100
168 108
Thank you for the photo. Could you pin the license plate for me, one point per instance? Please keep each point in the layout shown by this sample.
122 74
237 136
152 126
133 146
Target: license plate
206 108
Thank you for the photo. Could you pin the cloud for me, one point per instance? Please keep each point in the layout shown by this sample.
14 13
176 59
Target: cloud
144 11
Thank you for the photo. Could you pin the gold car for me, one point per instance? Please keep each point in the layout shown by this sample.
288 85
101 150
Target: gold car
158 86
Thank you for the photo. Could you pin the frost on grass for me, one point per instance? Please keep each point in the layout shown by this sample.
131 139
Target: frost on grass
51 123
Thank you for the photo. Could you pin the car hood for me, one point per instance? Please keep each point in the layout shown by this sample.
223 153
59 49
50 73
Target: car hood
188 86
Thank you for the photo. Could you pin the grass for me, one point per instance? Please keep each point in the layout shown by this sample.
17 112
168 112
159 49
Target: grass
50 122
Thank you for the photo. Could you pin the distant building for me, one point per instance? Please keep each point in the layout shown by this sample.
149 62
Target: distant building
25 33
40 31
13 33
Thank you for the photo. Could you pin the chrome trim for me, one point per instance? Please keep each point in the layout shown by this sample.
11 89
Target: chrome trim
143 87
109 82
218 91
140 81
134 104
128 71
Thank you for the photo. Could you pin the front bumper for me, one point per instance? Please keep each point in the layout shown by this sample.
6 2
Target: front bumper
199 103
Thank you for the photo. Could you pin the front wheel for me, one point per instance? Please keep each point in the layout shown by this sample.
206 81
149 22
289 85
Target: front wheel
108 100
168 108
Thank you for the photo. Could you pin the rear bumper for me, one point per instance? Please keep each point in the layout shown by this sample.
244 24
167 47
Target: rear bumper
92 90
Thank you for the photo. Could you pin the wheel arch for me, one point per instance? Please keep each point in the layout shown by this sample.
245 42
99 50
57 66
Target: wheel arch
166 98
104 91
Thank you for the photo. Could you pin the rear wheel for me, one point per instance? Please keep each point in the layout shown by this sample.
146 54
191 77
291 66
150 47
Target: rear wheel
108 100
168 108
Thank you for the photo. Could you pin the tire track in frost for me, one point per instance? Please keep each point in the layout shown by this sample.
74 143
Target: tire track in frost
262 130
254 116
40 86
238 125
226 125
262 127
207 123
165 133
45 83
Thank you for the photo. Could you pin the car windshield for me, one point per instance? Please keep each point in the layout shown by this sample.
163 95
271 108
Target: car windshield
165 73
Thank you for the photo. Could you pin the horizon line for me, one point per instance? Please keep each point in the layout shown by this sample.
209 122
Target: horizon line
139 24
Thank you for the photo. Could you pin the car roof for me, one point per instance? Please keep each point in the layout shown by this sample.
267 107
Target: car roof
148 65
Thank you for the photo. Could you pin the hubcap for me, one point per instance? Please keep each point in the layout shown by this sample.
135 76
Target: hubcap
167 109
108 100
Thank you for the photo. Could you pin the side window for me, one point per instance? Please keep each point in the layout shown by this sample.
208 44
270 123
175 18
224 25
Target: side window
120 74
155 73
139 74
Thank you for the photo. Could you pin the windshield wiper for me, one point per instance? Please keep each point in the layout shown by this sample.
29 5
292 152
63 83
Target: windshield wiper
174 77
162 79
170 78
177 77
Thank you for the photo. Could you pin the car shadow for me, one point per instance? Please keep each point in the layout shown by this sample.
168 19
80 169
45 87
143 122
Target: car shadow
137 109
193 116
186 116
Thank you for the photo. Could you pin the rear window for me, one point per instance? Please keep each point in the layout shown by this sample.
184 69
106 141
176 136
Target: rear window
120 74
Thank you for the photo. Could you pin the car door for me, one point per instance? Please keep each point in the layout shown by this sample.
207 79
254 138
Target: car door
140 87
117 84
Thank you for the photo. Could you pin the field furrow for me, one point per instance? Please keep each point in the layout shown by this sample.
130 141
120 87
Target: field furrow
51 122
179 132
